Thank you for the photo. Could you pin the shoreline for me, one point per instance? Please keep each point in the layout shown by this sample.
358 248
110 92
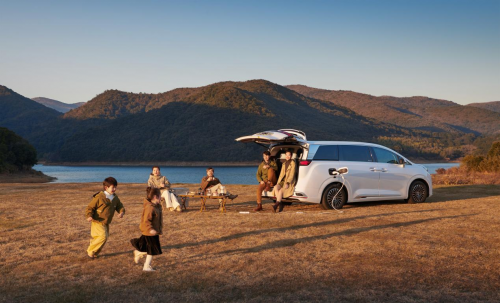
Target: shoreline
186 163
166 164
32 176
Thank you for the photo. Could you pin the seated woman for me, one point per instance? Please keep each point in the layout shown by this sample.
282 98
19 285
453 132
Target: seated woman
286 182
156 180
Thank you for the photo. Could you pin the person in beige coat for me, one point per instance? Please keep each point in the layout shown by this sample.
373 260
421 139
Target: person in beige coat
286 182
156 180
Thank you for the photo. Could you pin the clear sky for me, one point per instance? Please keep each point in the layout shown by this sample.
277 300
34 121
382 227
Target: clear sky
72 51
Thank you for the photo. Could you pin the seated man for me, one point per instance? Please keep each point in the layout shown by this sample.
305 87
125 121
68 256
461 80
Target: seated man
210 182
266 176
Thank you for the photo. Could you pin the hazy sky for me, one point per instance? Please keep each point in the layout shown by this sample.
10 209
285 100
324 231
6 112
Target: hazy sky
73 50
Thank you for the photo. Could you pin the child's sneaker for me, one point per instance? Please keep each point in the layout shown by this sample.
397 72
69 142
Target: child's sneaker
137 256
149 269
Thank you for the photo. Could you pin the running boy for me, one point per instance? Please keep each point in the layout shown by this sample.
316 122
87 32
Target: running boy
100 212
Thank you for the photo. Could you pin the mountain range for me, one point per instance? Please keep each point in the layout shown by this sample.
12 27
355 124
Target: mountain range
493 106
414 112
57 105
200 124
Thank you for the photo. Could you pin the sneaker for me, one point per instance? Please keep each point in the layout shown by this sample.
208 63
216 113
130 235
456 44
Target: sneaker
137 256
149 269
171 208
178 208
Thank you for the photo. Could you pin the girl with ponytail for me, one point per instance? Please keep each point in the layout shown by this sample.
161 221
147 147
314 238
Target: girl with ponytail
151 227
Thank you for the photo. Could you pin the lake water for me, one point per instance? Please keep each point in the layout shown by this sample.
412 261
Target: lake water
175 174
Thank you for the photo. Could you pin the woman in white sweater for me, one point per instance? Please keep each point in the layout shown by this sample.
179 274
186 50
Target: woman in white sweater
156 180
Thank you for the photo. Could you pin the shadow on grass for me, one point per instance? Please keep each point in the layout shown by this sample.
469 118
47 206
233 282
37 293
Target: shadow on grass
279 229
443 194
352 231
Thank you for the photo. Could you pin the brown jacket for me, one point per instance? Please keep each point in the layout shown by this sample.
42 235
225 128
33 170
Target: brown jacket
152 218
102 210
207 184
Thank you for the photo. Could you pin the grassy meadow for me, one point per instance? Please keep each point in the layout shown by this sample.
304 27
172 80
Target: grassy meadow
444 250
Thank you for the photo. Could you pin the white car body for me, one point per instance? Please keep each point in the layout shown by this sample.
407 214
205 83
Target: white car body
365 181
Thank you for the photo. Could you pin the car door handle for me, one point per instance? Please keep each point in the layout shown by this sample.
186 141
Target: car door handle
374 169
384 170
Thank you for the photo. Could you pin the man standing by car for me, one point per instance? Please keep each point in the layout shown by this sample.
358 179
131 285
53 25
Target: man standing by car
266 176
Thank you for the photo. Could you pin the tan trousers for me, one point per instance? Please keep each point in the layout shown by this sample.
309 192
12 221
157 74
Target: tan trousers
271 180
100 234
216 187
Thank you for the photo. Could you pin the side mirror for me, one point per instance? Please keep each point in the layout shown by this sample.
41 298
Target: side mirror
401 161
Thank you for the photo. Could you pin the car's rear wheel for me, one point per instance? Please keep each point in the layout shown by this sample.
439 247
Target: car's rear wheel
334 197
417 192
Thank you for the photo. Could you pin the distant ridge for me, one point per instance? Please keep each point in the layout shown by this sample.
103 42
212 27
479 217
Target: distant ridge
21 114
414 112
57 105
493 106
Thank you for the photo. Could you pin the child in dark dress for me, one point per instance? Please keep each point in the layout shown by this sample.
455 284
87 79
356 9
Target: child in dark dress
151 227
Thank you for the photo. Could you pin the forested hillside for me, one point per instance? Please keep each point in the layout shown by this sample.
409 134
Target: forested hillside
16 154
413 112
203 126
493 106
21 114
200 124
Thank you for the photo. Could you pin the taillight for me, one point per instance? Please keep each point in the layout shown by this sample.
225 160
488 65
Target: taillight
305 162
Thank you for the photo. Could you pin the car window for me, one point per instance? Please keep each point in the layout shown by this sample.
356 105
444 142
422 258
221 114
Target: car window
327 152
385 156
355 153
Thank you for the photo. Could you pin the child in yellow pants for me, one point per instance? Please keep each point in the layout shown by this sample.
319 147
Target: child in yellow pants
100 212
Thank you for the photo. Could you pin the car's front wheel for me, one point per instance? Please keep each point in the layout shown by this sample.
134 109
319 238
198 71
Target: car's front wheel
417 192
334 197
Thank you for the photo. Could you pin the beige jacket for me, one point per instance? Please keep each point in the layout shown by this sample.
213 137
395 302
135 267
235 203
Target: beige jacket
289 177
156 181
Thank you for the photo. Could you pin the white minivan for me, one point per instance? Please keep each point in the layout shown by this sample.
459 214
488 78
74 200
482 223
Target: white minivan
375 172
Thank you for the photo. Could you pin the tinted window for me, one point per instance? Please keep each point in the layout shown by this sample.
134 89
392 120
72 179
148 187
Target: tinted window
385 156
327 152
355 153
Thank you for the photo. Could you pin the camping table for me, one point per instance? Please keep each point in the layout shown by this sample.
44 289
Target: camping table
204 200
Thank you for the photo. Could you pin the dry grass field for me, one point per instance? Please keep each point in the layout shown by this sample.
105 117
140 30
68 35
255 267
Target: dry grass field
444 250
